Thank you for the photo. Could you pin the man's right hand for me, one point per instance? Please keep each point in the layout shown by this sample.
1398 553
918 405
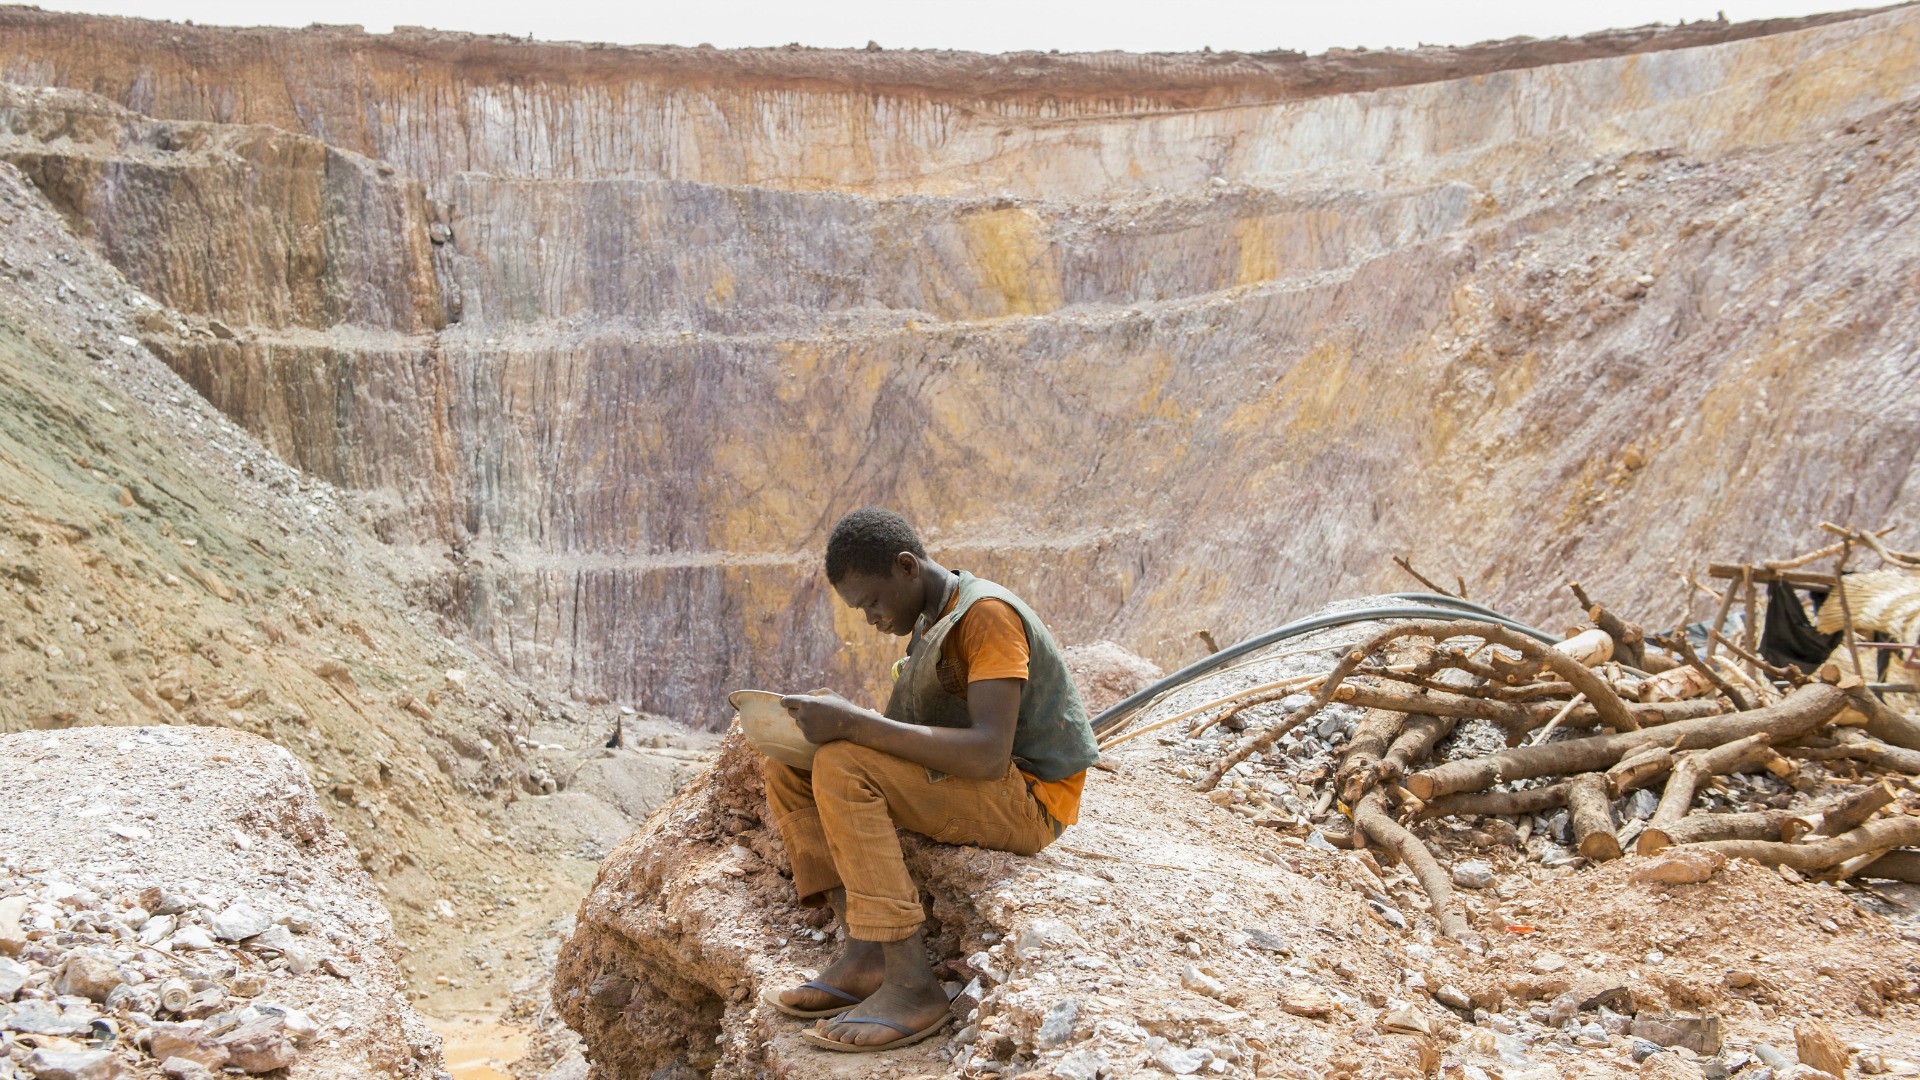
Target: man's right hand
823 715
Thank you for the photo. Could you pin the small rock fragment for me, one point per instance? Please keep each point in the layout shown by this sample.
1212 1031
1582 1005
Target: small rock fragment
1038 935
1057 1027
182 1069
239 922
1564 1008
260 1046
187 1043
88 976
1082 1065
159 901
1390 916
1548 963
193 937
1641 804
968 1000
1304 999
1180 1061
280 940
1265 940
1472 874
12 937
13 976
37 1017
1402 1016
51 1064
1202 983
1700 1034
1820 1048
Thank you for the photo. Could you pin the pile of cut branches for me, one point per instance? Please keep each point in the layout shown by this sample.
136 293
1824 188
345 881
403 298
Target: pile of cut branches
1592 719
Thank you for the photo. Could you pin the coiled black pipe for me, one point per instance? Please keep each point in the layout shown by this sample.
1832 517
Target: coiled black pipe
1452 609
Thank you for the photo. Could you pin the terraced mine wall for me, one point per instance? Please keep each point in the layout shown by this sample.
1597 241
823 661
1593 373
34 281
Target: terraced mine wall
608 336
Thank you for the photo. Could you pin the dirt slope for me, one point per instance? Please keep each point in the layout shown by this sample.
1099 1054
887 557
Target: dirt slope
158 566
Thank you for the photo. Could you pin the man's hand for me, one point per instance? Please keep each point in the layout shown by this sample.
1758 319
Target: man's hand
823 715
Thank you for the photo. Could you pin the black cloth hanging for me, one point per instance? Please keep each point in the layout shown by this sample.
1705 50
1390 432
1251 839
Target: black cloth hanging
1788 636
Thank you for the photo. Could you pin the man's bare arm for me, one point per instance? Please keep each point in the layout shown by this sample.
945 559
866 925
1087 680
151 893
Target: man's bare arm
980 752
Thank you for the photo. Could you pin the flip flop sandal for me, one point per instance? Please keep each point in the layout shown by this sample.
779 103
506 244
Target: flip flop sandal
771 996
908 1036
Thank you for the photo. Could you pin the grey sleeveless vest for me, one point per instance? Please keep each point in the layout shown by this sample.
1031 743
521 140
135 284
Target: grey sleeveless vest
1052 740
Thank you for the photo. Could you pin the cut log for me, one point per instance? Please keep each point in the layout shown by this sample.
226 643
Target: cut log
1853 743
1801 712
1359 764
1372 818
1887 832
1893 866
1415 741
1497 803
1636 772
1630 639
1678 643
1849 813
1701 827
1694 769
1611 710
1886 723
1592 817
1517 717
1682 683
1591 647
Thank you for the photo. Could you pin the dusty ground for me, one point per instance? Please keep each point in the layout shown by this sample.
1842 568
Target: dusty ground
1169 934
104 824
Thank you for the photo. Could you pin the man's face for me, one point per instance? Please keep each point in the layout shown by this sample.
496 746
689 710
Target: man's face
890 601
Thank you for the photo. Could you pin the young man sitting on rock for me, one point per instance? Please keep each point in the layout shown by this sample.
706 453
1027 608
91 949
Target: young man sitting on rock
984 741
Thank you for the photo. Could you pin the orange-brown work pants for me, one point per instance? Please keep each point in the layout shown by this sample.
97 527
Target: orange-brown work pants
838 824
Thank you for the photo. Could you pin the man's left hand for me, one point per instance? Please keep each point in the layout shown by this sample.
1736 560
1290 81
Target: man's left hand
823 715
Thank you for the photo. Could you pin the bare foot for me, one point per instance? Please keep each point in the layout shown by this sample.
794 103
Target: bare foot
859 970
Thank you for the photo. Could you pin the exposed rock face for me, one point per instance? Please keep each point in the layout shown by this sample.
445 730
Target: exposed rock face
159 567
105 823
1162 344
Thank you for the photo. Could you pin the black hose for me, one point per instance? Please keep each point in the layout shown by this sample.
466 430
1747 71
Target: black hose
1123 709
1445 600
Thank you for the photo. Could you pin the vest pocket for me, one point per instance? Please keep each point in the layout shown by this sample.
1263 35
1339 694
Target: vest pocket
986 834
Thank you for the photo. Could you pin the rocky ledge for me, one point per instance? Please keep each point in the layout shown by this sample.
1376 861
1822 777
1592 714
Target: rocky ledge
173 902
1175 933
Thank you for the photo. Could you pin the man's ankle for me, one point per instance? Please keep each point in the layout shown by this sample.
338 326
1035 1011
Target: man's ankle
907 963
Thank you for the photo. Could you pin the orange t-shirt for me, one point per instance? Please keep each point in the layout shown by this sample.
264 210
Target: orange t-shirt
991 643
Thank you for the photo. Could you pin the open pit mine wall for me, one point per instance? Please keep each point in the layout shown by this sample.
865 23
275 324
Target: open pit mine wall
611 335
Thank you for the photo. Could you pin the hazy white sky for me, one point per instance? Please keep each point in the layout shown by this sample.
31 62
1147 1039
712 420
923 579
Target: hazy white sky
980 25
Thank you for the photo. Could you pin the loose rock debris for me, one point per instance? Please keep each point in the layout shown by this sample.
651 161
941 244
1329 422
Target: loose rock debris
1308 881
218 923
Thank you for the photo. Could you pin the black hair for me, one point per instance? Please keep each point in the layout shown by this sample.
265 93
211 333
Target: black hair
867 541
